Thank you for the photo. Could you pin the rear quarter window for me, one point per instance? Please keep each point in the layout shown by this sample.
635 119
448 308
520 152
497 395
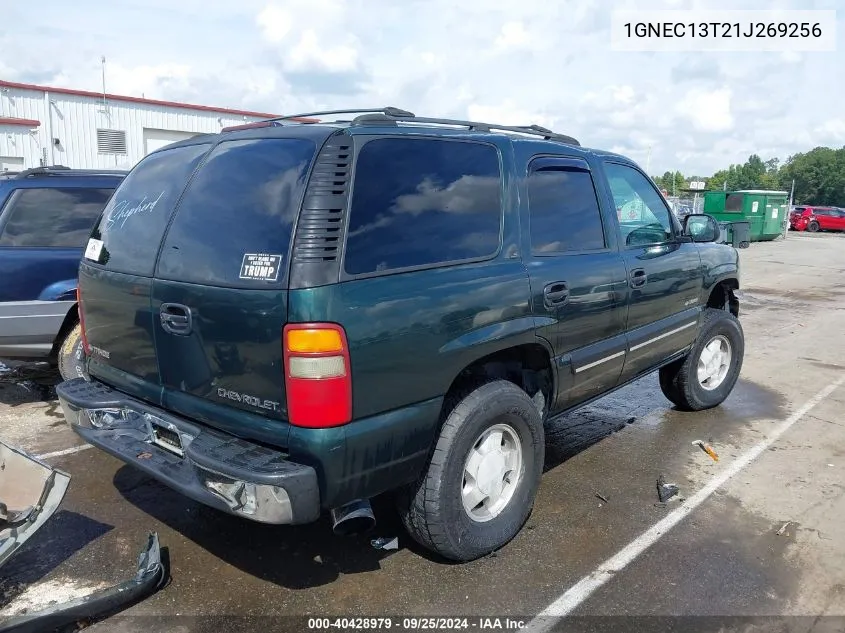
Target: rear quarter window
233 226
419 202
133 222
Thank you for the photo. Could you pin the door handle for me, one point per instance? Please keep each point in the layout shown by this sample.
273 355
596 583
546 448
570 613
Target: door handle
555 294
175 318
638 278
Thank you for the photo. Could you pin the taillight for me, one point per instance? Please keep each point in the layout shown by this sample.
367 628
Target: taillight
318 377
81 313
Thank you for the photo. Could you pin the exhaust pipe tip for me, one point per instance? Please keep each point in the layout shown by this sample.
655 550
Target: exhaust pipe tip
353 518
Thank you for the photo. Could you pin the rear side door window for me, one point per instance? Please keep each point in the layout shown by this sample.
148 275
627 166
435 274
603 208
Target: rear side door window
133 223
52 217
644 218
563 208
423 202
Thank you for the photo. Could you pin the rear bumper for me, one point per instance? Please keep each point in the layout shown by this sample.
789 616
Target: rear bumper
228 473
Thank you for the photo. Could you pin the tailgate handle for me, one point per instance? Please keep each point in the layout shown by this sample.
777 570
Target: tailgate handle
175 318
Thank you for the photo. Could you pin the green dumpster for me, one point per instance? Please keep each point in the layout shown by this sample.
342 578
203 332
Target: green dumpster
764 210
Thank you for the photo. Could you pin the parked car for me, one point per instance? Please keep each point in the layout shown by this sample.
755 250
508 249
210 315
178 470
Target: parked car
815 219
46 216
286 319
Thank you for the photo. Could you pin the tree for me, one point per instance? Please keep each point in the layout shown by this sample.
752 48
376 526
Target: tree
819 176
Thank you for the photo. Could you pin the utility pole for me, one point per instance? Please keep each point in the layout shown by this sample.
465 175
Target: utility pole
648 159
789 208
103 64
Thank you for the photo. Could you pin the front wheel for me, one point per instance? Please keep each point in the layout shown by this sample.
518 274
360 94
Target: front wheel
707 375
482 477
813 227
71 356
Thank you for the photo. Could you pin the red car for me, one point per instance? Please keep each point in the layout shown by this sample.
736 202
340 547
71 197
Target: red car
817 219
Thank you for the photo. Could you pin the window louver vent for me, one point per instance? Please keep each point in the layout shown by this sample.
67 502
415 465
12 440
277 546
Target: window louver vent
320 227
111 141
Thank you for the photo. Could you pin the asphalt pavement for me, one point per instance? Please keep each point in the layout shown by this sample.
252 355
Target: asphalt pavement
596 544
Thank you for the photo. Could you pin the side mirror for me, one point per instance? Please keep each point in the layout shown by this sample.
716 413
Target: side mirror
701 228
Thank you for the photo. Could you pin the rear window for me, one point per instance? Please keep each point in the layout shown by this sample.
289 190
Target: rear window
419 202
134 220
52 217
233 226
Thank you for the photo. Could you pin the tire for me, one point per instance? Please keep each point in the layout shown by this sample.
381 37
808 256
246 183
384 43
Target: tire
71 358
680 382
813 227
432 509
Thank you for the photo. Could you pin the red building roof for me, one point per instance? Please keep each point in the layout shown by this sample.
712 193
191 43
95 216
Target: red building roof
124 98
22 122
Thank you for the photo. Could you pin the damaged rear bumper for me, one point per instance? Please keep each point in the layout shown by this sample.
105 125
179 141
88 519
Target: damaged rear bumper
152 574
219 470
30 492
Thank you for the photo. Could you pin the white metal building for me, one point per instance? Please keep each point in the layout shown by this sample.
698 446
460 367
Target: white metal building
58 126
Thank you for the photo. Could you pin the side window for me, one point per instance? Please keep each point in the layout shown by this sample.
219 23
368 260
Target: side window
643 216
423 201
52 217
563 211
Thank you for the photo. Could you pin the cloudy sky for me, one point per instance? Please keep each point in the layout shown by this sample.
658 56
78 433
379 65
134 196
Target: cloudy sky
519 61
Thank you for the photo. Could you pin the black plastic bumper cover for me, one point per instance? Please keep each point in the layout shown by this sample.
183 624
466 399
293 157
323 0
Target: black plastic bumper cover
219 470
150 577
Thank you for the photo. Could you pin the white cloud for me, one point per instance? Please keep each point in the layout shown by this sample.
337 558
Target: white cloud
505 62
708 110
275 23
310 54
512 35
832 131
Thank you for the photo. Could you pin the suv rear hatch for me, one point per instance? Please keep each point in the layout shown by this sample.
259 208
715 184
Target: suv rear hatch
184 286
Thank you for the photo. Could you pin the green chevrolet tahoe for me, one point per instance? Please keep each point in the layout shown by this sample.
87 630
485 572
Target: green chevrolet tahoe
291 317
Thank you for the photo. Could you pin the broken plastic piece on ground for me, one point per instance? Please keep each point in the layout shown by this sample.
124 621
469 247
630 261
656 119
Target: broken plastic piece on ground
707 449
30 492
666 491
781 531
385 543
602 497
152 574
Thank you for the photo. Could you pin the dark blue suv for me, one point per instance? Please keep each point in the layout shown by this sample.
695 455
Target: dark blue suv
46 216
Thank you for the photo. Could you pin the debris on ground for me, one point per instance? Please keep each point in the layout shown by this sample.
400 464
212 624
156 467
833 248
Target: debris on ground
602 497
666 491
151 574
782 530
707 449
385 543
30 492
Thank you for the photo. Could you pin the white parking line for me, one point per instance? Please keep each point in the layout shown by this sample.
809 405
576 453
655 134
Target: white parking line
67 451
582 590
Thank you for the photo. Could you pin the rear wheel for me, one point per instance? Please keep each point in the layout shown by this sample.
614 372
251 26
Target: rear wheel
707 375
483 475
71 357
813 227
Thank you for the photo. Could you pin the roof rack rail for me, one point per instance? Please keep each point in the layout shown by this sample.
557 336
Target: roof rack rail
535 130
60 170
33 171
388 110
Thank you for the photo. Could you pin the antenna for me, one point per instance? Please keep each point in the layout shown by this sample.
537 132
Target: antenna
103 64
